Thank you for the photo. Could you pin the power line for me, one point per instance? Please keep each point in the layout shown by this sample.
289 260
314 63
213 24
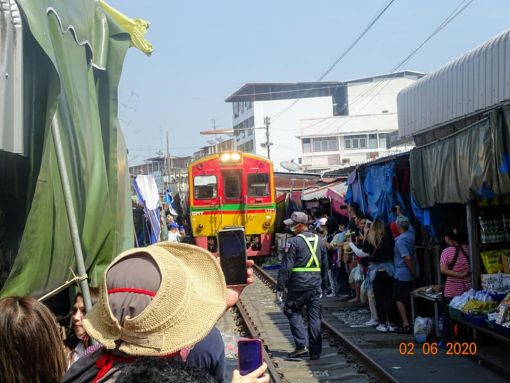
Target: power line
461 6
456 12
349 48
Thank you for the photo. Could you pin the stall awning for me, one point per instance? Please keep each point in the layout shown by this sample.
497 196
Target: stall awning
323 191
474 162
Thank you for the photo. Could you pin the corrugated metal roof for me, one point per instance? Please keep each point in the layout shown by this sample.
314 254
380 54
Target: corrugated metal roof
257 91
11 81
476 81
263 91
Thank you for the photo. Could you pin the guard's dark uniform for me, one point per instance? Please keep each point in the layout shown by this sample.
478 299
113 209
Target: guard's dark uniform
304 272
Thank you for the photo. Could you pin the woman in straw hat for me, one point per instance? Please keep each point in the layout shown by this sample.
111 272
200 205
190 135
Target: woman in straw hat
160 301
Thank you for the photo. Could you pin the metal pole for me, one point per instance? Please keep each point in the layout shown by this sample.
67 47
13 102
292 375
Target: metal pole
267 122
71 215
472 243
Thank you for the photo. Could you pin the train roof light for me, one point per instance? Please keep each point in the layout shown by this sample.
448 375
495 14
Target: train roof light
230 157
225 157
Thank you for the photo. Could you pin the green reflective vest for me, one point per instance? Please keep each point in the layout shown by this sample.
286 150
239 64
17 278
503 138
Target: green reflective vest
313 257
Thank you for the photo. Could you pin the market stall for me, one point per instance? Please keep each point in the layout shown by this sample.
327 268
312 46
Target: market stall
327 198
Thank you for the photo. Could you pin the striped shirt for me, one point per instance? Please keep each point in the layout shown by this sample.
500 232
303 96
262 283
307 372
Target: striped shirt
454 285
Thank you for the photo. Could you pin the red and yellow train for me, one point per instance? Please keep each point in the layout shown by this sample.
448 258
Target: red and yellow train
232 189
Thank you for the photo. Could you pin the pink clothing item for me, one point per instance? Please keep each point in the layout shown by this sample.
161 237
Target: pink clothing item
456 286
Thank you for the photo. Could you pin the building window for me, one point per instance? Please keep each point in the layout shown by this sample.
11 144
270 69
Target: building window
235 107
382 140
247 147
319 144
355 142
205 187
372 141
307 146
258 185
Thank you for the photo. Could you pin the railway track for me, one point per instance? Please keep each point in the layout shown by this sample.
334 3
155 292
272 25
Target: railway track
341 360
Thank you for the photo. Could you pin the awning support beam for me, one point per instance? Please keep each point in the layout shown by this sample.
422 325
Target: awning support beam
71 214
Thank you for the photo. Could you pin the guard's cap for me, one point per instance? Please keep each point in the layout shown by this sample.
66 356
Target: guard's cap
295 218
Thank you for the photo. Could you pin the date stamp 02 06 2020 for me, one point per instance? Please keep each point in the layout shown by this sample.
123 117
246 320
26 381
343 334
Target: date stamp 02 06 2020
432 348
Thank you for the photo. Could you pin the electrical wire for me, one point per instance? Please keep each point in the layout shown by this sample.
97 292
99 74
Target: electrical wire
454 14
461 6
349 48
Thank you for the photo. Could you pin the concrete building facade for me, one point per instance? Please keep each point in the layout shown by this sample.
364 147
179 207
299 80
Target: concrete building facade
362 134
218 147
177 176
285 104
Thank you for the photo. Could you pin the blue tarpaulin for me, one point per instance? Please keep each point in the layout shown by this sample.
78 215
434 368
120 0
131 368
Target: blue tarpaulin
354 192
374 188
378 187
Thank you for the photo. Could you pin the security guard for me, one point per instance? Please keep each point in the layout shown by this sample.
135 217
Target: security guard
303 272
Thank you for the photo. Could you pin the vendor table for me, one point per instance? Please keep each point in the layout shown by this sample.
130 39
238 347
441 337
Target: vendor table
485 331
436 300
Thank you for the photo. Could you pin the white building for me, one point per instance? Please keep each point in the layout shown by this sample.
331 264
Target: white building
363 132
253 102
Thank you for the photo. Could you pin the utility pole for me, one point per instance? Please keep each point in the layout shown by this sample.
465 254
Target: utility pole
267 123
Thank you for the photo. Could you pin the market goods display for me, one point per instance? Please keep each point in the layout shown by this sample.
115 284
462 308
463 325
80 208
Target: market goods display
494 227
498 283
492 259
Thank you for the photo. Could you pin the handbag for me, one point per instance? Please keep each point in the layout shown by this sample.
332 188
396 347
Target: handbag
453 262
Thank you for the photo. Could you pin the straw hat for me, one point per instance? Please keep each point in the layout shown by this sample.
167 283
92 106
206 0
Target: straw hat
189 301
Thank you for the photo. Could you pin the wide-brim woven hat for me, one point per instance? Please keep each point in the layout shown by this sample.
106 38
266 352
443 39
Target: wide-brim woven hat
190 300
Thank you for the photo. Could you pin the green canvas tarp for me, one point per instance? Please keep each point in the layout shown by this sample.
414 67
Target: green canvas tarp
474 162
73 57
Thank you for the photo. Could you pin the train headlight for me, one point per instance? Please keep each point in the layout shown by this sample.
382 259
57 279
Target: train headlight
200 226
266 225
225 157
230 157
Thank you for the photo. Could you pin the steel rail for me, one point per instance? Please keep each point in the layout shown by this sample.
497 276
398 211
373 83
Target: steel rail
253 333
361 357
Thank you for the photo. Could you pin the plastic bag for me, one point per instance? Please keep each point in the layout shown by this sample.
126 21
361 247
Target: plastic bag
422 325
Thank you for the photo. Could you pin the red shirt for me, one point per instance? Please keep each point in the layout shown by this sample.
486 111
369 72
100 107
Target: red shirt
456 286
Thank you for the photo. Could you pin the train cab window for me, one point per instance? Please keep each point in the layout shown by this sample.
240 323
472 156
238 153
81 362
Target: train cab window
258 185
232 186
205 187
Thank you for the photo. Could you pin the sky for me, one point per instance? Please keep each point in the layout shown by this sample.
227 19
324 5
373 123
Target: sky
205 50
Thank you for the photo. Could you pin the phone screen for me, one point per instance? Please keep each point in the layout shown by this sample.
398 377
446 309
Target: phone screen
250 355
232 250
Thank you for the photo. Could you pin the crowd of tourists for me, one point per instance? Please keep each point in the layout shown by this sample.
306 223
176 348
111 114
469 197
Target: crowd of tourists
371 262
375 263
150 322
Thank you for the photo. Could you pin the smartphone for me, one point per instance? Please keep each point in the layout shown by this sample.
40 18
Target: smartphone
250 355
232 251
